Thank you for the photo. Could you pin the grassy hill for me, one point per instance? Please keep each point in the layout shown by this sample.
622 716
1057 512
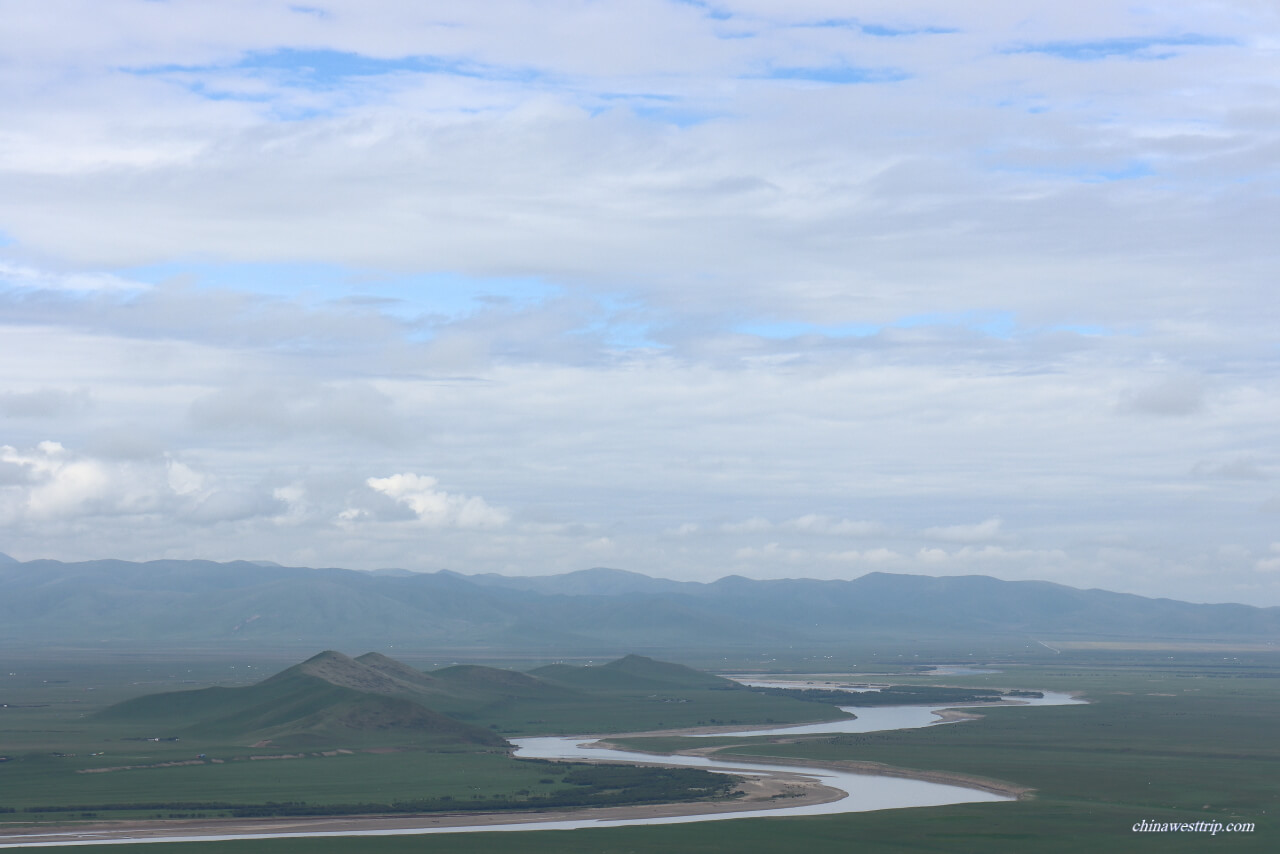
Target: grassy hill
330 735
327 699
633 672
338 735
397 670
637 693
334 700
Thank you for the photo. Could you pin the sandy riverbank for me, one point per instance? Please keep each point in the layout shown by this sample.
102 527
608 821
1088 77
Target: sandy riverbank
775 791
877 769
759 792
946 778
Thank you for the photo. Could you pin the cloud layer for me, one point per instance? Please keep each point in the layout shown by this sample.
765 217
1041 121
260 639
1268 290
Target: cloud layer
687 288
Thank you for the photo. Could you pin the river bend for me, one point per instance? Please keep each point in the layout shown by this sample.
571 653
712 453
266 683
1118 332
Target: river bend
862 792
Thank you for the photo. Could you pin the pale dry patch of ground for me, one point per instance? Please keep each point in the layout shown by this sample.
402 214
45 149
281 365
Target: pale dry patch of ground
949 715
765 792
878 769
947 778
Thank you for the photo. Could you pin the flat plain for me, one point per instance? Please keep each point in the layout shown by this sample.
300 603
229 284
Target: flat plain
1174 738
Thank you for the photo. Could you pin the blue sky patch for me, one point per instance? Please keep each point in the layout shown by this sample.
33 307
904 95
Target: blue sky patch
323 70
1132 47
714 12
838 74
451 295
1127 172
785 329
894 32
834 24
673 115
878 30
1092 173
667 109
621 325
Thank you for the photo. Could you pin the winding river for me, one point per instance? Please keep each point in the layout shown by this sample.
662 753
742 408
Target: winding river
862 792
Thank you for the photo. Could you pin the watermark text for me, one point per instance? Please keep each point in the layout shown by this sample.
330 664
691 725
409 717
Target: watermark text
1210 827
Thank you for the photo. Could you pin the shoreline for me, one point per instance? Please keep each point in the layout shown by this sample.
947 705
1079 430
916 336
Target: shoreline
761 793
879 769
856 766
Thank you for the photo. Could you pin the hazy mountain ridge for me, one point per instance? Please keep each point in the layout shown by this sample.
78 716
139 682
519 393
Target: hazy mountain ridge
197 602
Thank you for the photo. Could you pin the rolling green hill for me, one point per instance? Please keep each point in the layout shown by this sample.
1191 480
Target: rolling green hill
333 700
340 735
327 699
634 672
397 670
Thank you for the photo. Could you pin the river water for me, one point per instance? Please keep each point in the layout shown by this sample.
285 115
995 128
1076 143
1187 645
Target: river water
881 718
863 792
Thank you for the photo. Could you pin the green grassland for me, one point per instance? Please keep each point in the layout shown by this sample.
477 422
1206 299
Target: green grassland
336 731
633 693
1214 754
1166 739
967 829
346 777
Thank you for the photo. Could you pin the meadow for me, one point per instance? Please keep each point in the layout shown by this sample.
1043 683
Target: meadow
1176 737
63 758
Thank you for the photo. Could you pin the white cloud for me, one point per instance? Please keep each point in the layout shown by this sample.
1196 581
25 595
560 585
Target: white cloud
356 409
184 481
600 547
35 279
880 556
818 524
436 508
754 525
976 533
293 501
772 552
1240 468
59 486
1170 396
44 403
1269 564
620 276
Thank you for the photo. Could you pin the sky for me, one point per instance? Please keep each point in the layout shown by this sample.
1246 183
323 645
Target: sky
776 289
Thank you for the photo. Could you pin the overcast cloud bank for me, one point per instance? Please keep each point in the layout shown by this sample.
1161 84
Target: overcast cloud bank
691 289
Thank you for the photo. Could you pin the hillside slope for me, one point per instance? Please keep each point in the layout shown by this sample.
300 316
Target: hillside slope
634 673
329 698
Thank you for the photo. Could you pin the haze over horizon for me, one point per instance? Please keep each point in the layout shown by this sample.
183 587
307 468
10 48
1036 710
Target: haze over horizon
689 289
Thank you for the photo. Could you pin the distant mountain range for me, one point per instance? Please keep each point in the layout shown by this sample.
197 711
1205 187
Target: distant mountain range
202 602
